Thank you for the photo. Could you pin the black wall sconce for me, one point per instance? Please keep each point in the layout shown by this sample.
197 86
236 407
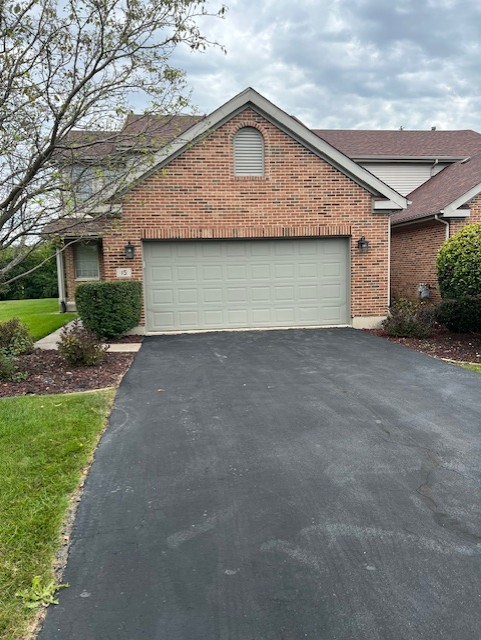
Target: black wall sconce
129 251
363 245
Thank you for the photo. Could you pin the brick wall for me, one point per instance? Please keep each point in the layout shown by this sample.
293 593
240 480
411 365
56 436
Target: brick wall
198 196
413 253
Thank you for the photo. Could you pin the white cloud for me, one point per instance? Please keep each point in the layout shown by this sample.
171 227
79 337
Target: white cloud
347 63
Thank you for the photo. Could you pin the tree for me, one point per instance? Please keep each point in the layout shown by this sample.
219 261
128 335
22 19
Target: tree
68 70
41 281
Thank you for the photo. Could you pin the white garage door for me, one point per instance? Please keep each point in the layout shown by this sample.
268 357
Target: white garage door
220 284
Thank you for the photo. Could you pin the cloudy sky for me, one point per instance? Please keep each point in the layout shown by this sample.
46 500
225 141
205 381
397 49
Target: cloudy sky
347 63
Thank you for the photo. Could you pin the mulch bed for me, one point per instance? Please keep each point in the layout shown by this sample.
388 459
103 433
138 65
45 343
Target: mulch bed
461 347
48 373
126 340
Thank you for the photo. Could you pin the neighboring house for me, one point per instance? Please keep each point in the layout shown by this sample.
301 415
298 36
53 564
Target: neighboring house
439 172
248 219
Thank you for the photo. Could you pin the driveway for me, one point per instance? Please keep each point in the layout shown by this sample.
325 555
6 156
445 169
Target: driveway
281 485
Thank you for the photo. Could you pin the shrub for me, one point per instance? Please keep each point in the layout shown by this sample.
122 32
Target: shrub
459 264
15 338
460 316
409 319
9 371
109 308
81 347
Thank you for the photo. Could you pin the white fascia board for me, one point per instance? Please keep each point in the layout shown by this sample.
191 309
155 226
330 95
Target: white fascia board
451 208
250 97
386 205
455 213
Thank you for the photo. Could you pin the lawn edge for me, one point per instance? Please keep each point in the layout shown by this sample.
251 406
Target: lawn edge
59 560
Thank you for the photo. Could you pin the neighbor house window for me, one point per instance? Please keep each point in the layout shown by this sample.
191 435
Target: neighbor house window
87 261
82 178
248 152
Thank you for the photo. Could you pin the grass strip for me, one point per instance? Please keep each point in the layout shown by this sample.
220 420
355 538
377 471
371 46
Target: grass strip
45 443
41 316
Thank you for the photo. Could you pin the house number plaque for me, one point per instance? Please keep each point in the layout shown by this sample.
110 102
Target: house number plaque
124 273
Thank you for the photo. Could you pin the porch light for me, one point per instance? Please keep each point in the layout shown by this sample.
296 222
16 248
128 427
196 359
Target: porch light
129 251
363 245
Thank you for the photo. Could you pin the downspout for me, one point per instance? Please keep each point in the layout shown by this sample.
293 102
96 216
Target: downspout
445 222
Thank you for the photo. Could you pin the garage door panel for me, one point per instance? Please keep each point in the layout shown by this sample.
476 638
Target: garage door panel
284 271
188 296
212 295
162 274
260 294
245 284
237 294
260 272
236 272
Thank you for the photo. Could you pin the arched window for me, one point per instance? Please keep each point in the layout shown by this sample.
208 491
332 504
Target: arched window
248 152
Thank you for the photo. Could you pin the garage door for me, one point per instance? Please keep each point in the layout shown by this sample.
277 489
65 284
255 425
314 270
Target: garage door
220 284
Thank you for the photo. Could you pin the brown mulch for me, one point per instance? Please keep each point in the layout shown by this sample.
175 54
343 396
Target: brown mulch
461 347
47 372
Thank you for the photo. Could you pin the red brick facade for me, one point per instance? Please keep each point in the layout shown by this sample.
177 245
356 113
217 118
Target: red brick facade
197 196
414 248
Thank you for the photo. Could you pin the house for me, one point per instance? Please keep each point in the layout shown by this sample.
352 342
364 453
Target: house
248 219
439 172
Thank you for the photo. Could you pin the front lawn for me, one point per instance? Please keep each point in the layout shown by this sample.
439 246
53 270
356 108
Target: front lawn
45 443
41 316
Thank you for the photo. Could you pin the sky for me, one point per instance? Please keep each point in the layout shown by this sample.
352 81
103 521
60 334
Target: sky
342 64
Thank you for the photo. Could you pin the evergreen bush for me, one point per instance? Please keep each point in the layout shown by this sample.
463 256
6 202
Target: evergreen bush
109 309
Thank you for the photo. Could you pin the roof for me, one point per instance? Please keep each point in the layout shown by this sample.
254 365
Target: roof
249 98
139 132
451 188
359 144
69 227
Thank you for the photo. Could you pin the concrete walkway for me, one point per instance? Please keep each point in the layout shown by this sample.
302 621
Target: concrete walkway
51 342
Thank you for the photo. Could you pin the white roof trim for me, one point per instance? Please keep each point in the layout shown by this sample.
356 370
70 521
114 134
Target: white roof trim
292 126
451 208
456 213
386 205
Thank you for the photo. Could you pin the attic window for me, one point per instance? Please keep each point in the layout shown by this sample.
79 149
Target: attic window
248 152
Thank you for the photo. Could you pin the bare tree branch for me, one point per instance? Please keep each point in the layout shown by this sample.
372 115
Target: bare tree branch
69 68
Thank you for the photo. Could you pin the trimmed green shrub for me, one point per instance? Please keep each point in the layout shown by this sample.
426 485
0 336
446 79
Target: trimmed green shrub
409 319
9 371
109 309
81 347
15 337
460 316
458 264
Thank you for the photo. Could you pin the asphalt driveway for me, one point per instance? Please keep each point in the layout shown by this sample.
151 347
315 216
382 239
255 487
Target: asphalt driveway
279 486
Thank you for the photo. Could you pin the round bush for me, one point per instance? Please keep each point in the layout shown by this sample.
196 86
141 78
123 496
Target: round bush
109 309
459 264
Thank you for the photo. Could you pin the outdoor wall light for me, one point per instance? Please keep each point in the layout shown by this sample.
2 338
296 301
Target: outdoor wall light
129 251
363 244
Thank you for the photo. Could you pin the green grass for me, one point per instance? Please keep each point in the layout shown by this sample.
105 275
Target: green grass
45 443
472 367
41 316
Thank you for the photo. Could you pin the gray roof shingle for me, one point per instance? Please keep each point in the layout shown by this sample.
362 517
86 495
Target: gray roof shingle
402 144
441 190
